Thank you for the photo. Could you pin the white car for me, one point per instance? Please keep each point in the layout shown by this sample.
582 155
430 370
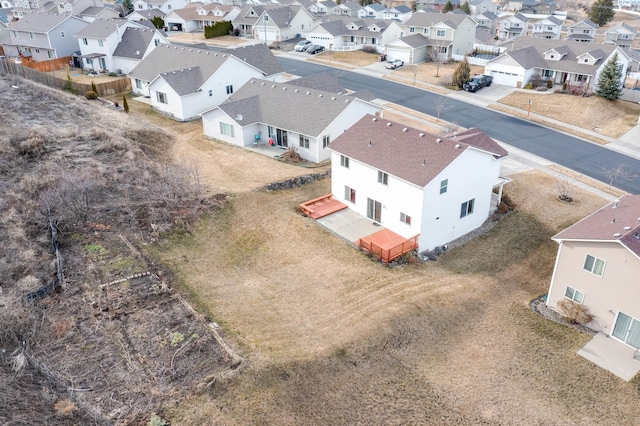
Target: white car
392 64
302 45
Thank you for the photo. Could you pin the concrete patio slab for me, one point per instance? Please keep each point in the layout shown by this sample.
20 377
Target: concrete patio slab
348 225
612 355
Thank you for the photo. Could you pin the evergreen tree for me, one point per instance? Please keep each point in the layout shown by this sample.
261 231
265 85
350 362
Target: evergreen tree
466 8
602 12
157 22
609 83
448 7
461 74
125 105
127 5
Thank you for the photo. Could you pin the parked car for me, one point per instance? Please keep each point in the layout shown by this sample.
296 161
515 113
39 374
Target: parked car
392 64
477 82
316 48
302 45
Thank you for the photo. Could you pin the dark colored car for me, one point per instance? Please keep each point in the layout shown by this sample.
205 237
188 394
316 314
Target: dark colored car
478 82
316 48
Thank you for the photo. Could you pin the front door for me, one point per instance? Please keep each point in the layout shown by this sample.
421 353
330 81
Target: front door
627 329
374 210
281 138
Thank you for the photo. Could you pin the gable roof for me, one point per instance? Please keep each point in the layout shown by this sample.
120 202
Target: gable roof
407 153
148 13
584 22
185 80
321 81
39 22
259 56
134 43
428 19
337 25
415 40
282 16
618 221
102 28
286 106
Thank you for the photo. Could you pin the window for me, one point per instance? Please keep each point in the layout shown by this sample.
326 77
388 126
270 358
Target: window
37 50
138 84
374 210
412 29
229 89
161 97
344 161
100 43
444 185
405 218
573 294
304 142
14 34
210 92
32 36
325 140
266 18
467 208
441 33
50 54
383 178
84 41
594 265
226 129
169 6
61 33
156 42
139 6
350 194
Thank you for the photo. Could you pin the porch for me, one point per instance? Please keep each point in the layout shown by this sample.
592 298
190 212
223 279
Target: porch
321 206
612 355
386 245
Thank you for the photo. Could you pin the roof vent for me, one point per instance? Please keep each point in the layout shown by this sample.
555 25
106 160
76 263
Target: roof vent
183 49
615 204
388 124
215 54
320 95
626 228
253 81
369 143
421 134
262 83
296 90
616 235
457 146
374 119
405 130
438 140
637 236
308 93
273 85
284 88
346 101
333 98
424 163
190 50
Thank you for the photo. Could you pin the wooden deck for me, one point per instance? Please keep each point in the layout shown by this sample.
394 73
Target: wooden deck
386 245
321 206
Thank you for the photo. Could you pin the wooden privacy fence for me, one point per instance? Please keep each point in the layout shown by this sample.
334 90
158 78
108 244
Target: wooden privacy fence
47 66
390 254
8 67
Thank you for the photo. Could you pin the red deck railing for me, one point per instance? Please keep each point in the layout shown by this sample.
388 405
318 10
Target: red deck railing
390 254
321 206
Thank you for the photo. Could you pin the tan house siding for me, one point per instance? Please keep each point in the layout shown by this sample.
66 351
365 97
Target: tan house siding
617 290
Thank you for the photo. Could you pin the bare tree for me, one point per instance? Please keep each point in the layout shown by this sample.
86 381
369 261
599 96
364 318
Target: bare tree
564 185
440 103
434 53
621 171
413 69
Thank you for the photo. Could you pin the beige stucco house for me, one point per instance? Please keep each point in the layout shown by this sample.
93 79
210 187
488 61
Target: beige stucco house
598 265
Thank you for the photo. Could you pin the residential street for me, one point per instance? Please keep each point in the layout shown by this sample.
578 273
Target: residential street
588 158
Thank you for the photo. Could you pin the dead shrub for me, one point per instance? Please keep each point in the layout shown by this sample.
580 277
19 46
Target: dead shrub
90 94
575 313
65 408
291 155
32 145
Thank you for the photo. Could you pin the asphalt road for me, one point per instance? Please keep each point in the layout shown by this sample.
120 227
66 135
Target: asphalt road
576 154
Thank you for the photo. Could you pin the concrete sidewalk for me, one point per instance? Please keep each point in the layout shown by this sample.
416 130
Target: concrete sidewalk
612 355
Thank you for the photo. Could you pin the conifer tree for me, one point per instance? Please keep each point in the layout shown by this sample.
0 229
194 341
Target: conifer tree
609 83
602 12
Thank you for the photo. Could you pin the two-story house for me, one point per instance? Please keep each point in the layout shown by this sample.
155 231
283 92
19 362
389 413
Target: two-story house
281 23
164 5
487 21
444 36
583 31
513 26
184 82
400 13
373 11
324 8
41 36
77 7
557 60
195 16
247 118
415 183
548 28
597 266
481 6
621 35
348 8
343 33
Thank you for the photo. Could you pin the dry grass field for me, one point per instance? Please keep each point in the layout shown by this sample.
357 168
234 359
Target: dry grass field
609 118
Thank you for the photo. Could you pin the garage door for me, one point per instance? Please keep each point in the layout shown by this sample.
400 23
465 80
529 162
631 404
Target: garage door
504 78
401 54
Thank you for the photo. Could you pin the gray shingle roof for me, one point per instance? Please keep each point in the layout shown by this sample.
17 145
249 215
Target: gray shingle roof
428 19
415 40
149 13
321 81
282 16
185 80
286 106
92 11
134 43
102 28
39 22
337 25
259 56
412 155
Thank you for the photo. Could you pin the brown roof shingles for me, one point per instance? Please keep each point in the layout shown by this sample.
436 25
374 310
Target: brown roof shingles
407 153
617 221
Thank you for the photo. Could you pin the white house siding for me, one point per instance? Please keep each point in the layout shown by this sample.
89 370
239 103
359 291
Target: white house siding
65 46
505 71
603 296
396 197
464 38
174 105
211 127
299 25
323 38
124 65
471 176
399 52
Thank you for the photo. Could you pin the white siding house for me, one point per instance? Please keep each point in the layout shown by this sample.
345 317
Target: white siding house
412 182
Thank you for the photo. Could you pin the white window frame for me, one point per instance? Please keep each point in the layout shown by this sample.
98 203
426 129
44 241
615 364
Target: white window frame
383 178
326 139
226 129
229 89
349 194
100 43
161 97
467 208
573 294
444 186
344 161
592 268
85 41
405 218
441 33
303 141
